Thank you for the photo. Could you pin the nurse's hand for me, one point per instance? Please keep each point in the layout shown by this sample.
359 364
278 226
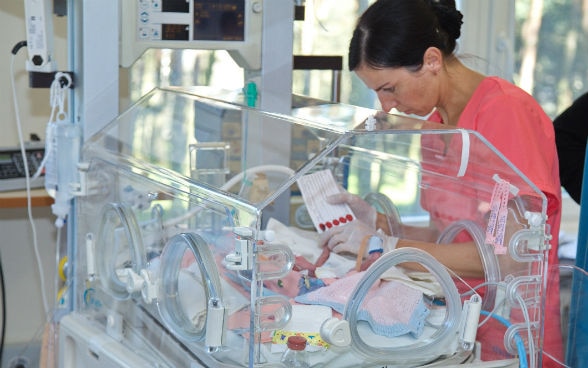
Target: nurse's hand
350 237
361 209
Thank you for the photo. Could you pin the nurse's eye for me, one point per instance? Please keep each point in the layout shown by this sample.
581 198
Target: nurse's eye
389 89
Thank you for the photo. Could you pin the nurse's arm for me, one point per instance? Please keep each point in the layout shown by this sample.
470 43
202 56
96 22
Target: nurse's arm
461 258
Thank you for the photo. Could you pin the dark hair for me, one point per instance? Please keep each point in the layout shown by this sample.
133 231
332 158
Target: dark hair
396 33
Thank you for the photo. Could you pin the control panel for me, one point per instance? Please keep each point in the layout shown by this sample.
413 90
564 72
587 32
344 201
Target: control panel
12 168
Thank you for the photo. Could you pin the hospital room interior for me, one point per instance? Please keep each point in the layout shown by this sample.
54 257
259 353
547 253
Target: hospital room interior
239 183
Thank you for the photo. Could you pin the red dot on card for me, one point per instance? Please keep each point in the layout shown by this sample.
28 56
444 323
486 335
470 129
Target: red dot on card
342 219
349 217
329 225
322 226
336 222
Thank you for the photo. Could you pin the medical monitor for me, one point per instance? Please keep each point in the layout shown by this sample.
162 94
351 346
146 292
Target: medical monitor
232 25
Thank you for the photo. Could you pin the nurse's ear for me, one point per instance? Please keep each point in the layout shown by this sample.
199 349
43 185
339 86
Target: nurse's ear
433 59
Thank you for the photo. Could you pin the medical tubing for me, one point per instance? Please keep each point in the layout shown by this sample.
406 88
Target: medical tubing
527 319
519 341
19 45
487 256
381 201
28 187
61 265
423 348
254 170
169 303
57 102
229 184
3 304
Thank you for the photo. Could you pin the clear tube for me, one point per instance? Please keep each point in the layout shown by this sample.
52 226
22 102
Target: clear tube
257 169
432 346
50 161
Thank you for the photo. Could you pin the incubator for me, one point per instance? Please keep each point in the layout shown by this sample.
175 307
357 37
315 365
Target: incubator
196 248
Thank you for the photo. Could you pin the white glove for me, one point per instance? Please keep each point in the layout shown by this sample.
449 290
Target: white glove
362 210
348 238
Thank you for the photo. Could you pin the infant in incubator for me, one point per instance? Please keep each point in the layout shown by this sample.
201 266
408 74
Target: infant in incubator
398 307
394 305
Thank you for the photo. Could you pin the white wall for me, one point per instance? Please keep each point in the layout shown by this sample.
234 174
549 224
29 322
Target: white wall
487 37
34 106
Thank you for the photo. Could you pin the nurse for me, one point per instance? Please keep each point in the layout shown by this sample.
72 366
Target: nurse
404 50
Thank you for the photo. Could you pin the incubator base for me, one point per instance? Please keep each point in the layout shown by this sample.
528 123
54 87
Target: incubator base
81 344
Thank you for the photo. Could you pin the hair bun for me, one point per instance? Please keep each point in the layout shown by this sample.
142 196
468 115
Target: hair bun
450 19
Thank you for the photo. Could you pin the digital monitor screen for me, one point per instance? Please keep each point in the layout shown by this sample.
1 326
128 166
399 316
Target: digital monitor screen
216 20
175 32
175 6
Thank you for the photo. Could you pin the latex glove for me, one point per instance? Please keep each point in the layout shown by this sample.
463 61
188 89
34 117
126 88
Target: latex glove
362 210
348 238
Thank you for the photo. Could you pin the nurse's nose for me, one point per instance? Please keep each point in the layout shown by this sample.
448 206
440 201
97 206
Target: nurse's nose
387 103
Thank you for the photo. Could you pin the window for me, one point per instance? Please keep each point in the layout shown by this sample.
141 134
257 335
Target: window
552 51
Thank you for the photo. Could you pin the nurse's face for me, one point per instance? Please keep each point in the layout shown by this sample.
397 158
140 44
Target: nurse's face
410 92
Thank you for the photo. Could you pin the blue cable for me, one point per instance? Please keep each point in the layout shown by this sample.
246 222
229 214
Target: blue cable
520 344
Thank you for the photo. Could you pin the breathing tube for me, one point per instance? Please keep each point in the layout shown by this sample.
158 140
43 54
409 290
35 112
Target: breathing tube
429 347
487 256
517 338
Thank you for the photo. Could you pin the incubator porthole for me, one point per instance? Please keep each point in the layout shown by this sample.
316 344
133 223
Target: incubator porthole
189 283
119 248
487 256
384 205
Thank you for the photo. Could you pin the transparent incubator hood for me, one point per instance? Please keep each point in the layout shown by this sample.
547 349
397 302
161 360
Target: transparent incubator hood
196 246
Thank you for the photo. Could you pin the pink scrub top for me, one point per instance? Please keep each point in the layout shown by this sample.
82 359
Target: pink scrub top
514 123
